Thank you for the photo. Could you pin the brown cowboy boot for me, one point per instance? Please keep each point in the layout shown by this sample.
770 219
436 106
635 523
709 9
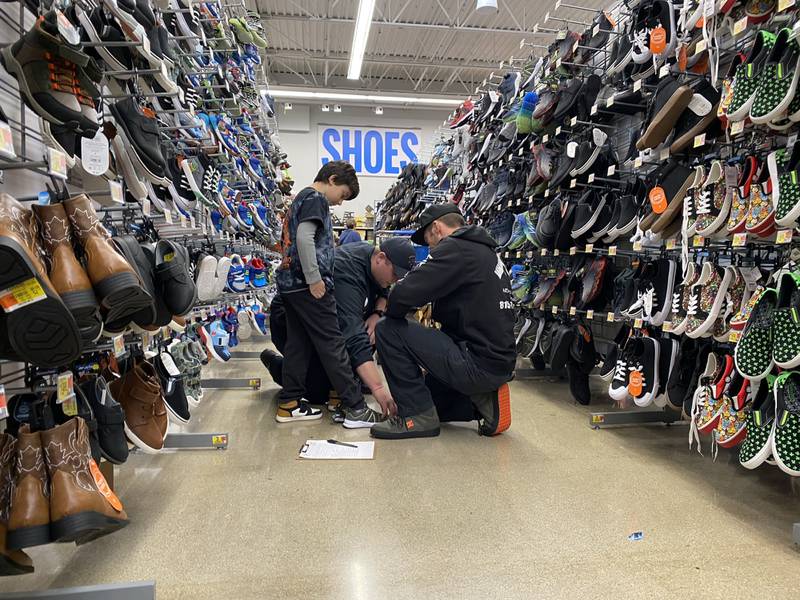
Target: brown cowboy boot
29 519
12 562
116 284
67 275
40 328
82 506
140 395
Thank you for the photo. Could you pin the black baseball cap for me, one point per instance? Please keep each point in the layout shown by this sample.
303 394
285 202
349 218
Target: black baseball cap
428 216
401 254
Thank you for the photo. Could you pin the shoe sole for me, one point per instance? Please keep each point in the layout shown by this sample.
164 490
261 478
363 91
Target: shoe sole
28 537
43 332
136 441
687 138
348 424
123 296
84 527
82 304
173 416
407 435
8 567
664 121
281 419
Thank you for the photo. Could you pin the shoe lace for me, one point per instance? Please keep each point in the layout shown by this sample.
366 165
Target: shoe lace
640 38
703 202
676 302
64 78
620 370
694 301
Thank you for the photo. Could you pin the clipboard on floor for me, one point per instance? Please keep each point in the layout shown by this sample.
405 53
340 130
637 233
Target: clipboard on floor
324 450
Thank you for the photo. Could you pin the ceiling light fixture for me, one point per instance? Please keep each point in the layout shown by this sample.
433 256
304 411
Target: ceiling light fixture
485 7
326 108
360 36
378 110
337 108
287 106
383 99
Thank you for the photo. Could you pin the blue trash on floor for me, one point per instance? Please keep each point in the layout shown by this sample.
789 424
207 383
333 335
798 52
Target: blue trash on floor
636 536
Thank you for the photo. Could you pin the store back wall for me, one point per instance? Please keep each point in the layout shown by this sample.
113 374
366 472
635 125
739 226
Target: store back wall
381 142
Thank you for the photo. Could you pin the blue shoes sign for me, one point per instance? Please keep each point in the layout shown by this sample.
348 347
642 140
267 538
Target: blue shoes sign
372 151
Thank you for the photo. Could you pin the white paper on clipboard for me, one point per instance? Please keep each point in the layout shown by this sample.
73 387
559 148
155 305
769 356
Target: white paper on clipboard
323 450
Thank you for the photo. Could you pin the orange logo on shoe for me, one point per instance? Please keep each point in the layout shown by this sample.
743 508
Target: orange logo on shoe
103 488
409 423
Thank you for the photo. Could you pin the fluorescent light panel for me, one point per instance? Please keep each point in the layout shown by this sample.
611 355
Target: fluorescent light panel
360 36
276 93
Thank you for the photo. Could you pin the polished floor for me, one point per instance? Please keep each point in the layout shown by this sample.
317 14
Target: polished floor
542 512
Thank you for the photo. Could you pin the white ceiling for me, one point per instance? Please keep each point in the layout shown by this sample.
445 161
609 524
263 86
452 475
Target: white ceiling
432 47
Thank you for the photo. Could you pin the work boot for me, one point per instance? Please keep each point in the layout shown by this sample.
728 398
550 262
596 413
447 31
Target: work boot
66 274
495 409
29 518
40 328
139 394
425 424
12 562
117 286
82 506
51 75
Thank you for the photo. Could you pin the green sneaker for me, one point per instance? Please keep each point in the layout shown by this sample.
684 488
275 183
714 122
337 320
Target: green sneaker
786 437
757 445
786 324
241 31
784 173
778 82
753 353
361 418
399 428
748 75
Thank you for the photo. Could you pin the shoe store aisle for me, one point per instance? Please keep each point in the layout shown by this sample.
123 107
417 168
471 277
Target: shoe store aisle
544 511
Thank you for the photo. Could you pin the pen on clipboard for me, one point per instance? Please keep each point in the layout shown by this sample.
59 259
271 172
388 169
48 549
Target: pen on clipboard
337 442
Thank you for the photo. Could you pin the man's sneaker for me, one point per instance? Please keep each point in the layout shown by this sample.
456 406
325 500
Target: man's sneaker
297 410
670 100
399 428
778 82
495 410
698 116
748 76
361 418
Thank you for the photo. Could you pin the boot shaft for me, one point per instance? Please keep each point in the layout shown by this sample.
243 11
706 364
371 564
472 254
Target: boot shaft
30 504
83 219
55 233
8 456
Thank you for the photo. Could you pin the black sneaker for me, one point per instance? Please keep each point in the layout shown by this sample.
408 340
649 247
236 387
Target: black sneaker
587 212
172 388
669 101
667 360
618 388
698 116
399 428
565 163
110 420
602 224
494 409
643 372
675 181
659 302
172 278
588 152
139 132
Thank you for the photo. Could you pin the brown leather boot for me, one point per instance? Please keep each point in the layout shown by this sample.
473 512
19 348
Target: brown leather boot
66 274
29 519
117 286
139 393
40 328
82 506
12 562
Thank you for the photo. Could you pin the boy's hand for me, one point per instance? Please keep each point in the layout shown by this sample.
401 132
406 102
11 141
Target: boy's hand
317 289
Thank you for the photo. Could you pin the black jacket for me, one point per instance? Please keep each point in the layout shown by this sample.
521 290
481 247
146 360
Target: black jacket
471 294
356 292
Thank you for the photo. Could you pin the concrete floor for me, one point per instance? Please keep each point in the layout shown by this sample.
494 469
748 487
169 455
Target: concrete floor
543 511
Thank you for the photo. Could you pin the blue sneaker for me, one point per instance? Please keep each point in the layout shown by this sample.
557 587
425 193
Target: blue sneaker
231 322
244 217
518 237
529 225
236 280
258 273
215 339
216 219
261 319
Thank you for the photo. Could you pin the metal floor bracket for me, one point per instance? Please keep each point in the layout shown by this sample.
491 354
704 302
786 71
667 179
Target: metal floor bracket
141 590
612 418
196 441
253 383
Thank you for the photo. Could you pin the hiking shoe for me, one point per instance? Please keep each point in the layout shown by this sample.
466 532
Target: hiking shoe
748 76
495 410
361 418
783 173
786 439
753 354
670 100
52 76
425 424
778 82
758 445
786 329
297 410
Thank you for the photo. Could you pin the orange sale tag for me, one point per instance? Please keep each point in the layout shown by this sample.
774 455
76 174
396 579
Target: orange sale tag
658 40
102 486
635 384
658 199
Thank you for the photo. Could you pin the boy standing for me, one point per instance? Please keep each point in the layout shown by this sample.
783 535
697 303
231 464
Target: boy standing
305 282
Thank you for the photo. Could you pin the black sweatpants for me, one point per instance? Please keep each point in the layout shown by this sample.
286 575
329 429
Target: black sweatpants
312 324
453 375
318 385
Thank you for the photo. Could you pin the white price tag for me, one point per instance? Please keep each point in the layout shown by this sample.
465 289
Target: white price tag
610 102
573 183
115 187
740 26
545 139
590 314
664 155
556 252
183 221
637 162
56 163
611 170
573 121
119 345
663 71
94 154
610 317
637 85
146 207
589 248
572 311
6 141
590 179
558 130
593 110
168 216
700 47
699 140
637 246
737 127
573 250
554 310
544 252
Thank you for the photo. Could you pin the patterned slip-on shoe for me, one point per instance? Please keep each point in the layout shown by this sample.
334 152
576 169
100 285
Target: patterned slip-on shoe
786 440
778 83
748 76
753 353
783 172
731 428
760 218
740 319
740 200
786 322
710 403
757 446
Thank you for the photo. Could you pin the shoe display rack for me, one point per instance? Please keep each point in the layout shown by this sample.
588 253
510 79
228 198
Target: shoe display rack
638 168
149 183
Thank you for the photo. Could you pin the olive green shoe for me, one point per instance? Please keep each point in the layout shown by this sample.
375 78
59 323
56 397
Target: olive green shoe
400 428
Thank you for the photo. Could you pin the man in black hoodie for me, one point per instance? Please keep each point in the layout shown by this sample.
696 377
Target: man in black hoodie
470 360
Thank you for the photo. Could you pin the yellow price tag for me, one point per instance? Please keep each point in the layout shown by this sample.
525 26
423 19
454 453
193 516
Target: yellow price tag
610 317
784 236
698 241
21 294
667 326
64 384
739 239
734 336
637 324
598 418
56 163
572 311
219 440
589 248
739 26
590 314
699 140
637 246
119 345
554 310
737 127
573 251
784 4
700 47
612 250
671 244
